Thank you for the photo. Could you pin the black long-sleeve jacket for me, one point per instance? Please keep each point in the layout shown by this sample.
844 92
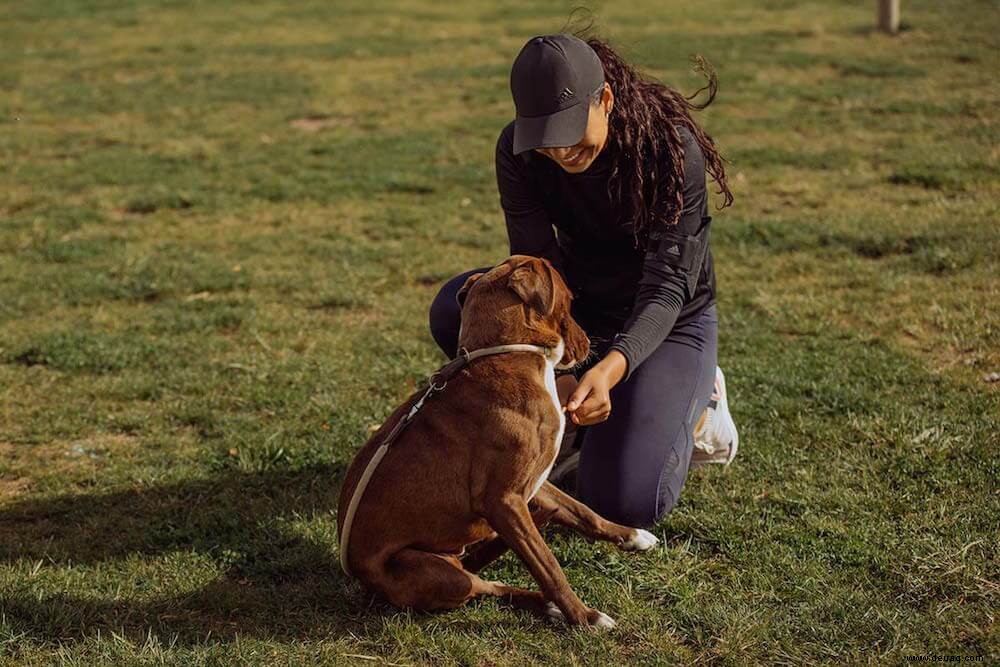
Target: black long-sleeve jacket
621 293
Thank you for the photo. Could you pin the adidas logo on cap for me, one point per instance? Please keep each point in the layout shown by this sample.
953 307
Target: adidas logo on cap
564 95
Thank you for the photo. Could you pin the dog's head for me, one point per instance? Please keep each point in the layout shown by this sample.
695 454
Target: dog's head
523 300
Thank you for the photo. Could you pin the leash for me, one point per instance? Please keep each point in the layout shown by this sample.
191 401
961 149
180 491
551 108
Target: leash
438 381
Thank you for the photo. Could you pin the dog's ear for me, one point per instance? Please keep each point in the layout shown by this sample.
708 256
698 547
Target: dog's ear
534 287
464 290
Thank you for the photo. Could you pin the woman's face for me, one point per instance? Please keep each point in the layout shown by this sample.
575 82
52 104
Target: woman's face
578 158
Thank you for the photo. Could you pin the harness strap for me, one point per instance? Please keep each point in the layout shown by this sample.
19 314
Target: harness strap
438 380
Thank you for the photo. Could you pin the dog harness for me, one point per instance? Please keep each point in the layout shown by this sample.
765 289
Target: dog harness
438 380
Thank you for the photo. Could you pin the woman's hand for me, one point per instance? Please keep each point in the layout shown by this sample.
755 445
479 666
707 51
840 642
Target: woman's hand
590 402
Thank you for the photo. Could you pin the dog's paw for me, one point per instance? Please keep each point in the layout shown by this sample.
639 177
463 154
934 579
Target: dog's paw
601 621
553 612
595 619
641 540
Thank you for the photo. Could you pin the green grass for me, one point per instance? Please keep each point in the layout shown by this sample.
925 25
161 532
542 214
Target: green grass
221 226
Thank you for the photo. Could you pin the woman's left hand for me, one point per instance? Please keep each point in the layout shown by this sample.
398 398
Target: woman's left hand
590 402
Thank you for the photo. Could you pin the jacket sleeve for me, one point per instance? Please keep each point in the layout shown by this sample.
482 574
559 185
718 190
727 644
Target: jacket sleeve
671 266
529 230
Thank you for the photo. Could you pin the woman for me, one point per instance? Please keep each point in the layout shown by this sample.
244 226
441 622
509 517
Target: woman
603 173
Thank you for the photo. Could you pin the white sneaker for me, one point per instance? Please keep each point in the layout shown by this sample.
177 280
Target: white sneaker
715 438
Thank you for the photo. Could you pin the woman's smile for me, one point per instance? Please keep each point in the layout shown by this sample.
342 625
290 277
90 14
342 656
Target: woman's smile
574 159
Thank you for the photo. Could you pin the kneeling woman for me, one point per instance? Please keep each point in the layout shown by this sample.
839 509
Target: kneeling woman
603 173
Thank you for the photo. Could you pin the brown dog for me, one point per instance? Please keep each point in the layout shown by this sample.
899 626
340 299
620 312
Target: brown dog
469 470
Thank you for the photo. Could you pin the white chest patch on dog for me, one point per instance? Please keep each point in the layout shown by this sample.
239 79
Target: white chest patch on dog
550 384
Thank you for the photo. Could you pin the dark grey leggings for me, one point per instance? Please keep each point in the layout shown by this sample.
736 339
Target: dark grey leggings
632 466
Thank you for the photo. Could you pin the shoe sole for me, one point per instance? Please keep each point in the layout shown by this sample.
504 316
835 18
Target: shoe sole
727 418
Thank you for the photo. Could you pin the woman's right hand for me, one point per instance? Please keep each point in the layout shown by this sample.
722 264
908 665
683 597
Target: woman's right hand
590 402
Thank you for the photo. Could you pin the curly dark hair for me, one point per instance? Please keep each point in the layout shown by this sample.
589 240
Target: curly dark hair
643 134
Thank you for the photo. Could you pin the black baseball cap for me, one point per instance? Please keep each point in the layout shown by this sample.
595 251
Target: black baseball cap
551 81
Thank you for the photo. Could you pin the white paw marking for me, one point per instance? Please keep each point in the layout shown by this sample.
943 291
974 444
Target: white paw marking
641 540
552 611
604 622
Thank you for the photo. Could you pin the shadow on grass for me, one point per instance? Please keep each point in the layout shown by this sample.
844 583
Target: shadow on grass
277 583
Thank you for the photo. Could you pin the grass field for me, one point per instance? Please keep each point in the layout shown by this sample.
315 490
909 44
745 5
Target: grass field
221 225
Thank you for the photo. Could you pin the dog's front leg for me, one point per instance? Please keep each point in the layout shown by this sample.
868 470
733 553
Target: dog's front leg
571 513
512 520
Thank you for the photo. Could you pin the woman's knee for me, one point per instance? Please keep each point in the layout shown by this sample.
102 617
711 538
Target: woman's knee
626 507
445 319
445 314
636 508
635 494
